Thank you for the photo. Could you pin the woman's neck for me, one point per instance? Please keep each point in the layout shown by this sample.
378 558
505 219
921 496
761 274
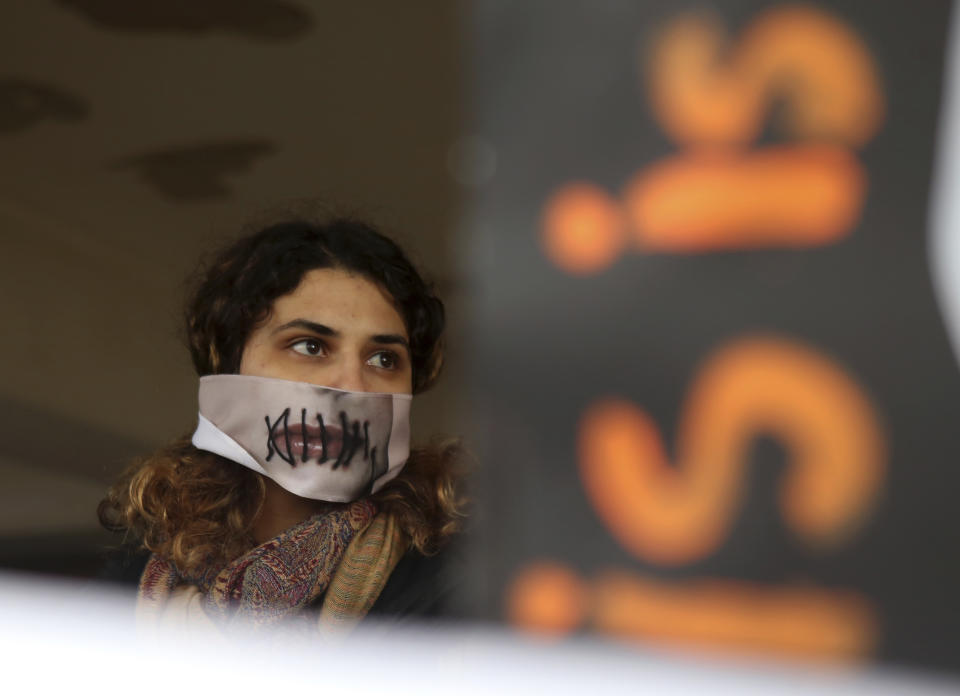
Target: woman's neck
282 510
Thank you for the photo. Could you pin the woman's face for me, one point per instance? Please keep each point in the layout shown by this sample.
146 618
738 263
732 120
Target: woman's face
336 329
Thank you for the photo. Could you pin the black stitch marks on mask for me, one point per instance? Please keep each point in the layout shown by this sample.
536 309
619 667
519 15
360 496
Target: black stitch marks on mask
197 172
269 20
355 440
304 434
366 439
351 440
272 430
323 440
25 103
373 464
286 435
344 442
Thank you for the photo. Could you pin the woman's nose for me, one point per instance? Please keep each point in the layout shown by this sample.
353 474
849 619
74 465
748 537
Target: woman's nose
348 375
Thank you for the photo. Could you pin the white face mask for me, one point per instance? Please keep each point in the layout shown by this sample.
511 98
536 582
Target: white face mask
316 442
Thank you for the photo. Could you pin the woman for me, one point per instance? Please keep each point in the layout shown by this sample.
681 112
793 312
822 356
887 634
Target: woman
295 495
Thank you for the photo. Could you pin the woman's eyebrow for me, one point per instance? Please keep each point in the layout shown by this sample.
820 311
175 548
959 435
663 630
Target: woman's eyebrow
388 339
321 329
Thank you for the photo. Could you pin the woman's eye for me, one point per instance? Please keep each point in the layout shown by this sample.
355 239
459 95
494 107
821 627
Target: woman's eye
308 346
384 360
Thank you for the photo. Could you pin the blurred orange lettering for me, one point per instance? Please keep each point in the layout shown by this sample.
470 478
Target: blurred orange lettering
676 514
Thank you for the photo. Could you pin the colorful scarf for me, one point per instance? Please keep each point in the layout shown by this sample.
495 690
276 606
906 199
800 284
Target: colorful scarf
347 553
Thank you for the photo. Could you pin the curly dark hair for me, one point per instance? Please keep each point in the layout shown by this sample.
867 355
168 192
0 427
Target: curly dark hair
194 507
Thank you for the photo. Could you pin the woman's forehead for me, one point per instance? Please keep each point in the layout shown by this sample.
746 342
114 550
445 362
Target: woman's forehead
345 301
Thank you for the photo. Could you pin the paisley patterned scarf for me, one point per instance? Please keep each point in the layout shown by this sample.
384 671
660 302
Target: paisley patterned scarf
346 555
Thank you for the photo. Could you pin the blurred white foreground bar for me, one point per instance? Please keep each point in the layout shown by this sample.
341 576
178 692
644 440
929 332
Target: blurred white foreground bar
56 636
